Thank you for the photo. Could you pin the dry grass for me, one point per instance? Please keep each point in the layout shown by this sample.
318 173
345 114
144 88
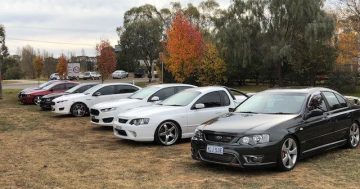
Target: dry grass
40 150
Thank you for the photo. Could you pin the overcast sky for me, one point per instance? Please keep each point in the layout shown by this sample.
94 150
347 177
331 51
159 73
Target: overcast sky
72 24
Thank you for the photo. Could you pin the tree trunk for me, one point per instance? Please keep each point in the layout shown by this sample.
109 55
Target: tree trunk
1 92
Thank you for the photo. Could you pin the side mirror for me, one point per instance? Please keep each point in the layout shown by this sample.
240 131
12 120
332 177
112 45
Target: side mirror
154 99
314 113
97 94
231 109
199 106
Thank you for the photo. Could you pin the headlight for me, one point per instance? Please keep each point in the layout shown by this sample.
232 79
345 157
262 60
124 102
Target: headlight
140 121
61 101
254 139
198 133
108 109
48 100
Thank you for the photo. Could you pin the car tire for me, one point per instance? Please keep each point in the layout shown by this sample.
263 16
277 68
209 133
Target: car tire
167 133
353 136
36 100
288 154
79 109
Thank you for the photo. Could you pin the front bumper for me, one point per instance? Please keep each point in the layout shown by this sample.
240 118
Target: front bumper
44 104
101 118
26 99
60 108
131 132
264 155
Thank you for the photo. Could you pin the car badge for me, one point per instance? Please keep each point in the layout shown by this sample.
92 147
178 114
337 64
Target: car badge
218 137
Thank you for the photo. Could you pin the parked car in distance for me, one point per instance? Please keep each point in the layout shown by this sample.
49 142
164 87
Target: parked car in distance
78 104
81 75
277 127
91 75
33 97
174 118
139 73
35 88
119 74
45 101
353 100
54 76
103 113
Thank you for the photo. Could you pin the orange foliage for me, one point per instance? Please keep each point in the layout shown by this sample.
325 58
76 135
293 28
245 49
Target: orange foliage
348 46
61 67
38 64
184 48
106 61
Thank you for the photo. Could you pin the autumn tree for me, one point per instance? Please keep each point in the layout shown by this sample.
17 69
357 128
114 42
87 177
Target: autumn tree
184 48
212 68
61 67
38 64
348 48
106 61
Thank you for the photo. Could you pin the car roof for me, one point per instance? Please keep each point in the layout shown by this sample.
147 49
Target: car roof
307 90
171 85
108 84
206 89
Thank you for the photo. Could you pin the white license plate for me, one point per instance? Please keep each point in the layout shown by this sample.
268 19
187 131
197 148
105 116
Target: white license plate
215 149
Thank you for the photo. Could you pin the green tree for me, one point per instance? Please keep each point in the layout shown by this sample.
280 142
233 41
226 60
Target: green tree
3 54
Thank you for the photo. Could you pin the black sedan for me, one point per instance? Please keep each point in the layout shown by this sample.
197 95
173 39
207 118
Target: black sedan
45 101
277 127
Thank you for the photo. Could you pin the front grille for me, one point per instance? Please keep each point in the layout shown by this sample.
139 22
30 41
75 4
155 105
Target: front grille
94 112
219 138
108 120
53 103
121 132
122 120
225 158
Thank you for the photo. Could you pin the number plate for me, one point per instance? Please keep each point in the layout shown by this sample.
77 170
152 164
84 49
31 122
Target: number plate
215 149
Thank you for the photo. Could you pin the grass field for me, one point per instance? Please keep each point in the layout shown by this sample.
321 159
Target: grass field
42 150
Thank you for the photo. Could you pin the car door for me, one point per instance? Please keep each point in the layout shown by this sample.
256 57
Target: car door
123 91
339 115
213 108
316 130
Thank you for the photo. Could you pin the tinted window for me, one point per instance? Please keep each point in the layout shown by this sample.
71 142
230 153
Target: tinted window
210 100
323 106
332 100
107 90
83 89
341 100
59 87
181 88
225 101
70 85
120 89
164 93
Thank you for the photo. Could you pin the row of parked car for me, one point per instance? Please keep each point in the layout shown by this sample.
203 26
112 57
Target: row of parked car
271 128
118 74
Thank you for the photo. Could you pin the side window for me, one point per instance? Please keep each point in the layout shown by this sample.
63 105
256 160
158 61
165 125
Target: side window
70 85
107 90
178 89
225 101
164 93
59 87
120 89
342 101
210 100
83 89
332 100
323 106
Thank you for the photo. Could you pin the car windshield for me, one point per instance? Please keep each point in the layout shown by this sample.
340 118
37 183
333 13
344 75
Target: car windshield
80 88
273 103
49 86
46 84
87 73
143 93
181 99
93 89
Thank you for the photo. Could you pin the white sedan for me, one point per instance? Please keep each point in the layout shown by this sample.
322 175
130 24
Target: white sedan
78 104
103 113
119 74
176 117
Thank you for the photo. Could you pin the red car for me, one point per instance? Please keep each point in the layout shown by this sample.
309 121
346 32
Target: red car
34 96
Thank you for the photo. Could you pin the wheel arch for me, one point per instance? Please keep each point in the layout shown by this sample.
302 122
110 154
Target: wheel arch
177 124
79 102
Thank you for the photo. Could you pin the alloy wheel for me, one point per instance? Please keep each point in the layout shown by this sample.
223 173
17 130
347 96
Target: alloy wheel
289 153
37 100
354 135
168 133
78 110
